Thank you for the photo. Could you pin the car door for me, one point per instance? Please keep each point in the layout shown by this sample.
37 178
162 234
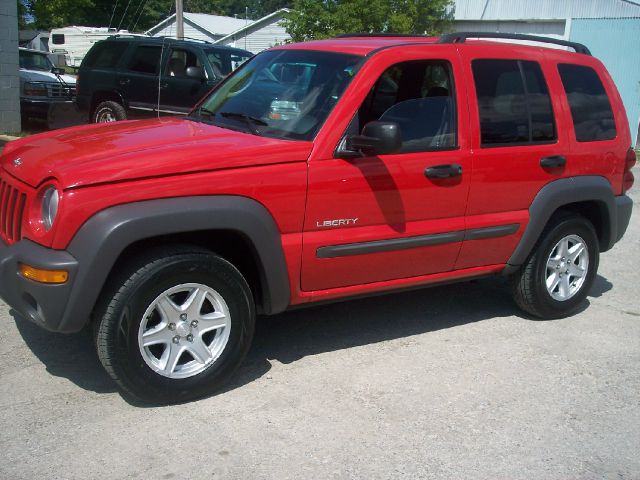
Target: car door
179 92
518 146
138 79
380 218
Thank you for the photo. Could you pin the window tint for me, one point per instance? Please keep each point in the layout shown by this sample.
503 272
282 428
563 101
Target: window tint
104 55
57 38
590 107
513 101
146 59
419 97
179 61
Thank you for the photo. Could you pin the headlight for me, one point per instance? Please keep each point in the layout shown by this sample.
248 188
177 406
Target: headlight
32 89
50 199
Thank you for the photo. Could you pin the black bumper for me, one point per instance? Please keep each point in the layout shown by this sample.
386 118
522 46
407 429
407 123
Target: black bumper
624 205
40 108
43 304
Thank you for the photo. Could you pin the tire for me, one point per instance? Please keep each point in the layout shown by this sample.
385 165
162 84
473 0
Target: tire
108 111
145 335
549 287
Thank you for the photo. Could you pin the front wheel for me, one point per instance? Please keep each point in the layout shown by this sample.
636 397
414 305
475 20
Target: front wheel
109 111
177 327
557 276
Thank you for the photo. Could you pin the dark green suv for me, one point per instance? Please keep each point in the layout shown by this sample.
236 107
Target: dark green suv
134 76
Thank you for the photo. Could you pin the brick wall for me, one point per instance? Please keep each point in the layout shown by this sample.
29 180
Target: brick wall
9 80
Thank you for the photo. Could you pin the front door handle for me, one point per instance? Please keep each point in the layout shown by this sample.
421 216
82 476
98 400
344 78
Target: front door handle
555 161
124 81
443 171
164 85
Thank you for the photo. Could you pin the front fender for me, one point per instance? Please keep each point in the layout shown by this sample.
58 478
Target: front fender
101 240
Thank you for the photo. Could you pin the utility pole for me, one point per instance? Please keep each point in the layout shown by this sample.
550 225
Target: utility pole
179 21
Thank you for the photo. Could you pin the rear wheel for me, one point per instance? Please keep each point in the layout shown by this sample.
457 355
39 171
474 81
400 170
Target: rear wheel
109 111
177 326
557 276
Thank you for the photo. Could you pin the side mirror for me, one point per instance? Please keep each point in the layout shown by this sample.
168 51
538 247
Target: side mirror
58 71
195 72
378 138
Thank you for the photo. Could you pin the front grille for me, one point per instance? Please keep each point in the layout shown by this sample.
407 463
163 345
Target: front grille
11 211
58 90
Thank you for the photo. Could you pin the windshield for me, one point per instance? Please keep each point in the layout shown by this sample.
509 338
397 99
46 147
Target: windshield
35 61
280 93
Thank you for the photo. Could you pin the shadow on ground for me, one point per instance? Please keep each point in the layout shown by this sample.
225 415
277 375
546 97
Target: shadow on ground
296 334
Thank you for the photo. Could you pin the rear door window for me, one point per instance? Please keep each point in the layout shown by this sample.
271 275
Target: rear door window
105 55
145 59
590 107
514 103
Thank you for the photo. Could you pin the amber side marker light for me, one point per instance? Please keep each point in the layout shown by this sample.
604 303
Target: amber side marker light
43 276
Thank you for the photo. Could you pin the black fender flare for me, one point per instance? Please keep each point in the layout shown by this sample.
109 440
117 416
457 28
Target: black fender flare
557 194
101 240
109 93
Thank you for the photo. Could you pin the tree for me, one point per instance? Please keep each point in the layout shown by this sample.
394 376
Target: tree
136 15
314 19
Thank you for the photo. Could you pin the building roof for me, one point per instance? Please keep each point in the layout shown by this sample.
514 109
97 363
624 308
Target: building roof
214 24
28 35
544 9
267 19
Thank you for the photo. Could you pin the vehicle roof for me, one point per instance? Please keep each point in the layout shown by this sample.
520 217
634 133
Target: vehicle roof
364 45
172 41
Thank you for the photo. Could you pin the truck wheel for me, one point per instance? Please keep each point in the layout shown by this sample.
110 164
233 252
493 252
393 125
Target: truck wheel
177 327
557 276
108 111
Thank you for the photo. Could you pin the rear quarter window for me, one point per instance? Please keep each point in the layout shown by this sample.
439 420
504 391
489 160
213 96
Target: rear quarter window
105 55
590 107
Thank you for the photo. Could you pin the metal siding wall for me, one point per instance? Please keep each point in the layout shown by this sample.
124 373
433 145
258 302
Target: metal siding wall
616 42
547 9
553 29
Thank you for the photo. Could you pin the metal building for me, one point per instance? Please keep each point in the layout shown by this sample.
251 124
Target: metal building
610 28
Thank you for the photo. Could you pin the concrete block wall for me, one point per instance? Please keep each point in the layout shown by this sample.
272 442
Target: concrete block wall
9 79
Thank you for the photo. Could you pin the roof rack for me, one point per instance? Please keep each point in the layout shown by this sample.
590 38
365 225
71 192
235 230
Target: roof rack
360 35
461 37
167 37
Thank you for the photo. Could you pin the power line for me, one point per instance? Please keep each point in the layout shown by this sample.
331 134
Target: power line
136 14
123 15
113 13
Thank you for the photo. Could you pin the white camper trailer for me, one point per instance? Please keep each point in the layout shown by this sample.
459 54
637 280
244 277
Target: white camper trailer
75 42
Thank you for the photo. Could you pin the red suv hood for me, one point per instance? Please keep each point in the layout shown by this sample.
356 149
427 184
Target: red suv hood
120 151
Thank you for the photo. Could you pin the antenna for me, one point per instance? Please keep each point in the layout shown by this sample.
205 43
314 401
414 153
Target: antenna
160 67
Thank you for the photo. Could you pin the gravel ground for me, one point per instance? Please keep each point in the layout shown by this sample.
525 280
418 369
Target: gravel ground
449 382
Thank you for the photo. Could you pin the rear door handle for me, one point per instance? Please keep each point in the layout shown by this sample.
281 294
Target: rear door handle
164 85
443 171
124 81
554 161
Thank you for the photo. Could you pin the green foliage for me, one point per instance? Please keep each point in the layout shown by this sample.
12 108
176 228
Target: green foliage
314 19
143 14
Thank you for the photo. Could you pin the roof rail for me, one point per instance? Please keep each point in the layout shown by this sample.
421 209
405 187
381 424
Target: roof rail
167 37
387 34
461 37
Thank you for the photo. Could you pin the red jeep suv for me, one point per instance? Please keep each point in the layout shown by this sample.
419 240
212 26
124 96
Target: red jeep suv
317 171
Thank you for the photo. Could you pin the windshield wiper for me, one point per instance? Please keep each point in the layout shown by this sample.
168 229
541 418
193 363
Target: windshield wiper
249 120
202 112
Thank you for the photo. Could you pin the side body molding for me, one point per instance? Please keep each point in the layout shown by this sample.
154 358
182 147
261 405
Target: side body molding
104 237
560 193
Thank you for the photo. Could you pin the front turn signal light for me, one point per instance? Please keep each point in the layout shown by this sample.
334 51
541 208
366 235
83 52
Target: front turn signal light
43 276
